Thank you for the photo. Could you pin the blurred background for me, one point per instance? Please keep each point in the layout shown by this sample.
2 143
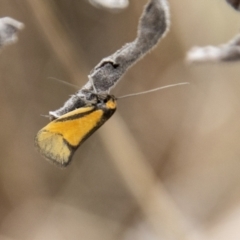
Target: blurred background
165 166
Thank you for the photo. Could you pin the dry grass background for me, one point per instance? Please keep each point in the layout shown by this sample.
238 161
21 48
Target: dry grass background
166 166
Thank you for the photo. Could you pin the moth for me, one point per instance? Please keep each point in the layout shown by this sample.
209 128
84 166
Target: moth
59 140
88 109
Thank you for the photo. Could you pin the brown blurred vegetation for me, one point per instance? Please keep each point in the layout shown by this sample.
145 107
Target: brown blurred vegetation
182 143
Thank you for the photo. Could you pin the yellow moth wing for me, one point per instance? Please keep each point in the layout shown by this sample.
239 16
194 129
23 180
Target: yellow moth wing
74 130
59 139
53 147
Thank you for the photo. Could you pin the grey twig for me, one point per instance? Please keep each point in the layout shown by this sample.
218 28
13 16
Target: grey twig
8 30
153 25
225 52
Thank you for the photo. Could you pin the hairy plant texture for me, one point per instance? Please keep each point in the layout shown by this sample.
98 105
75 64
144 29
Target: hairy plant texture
154 24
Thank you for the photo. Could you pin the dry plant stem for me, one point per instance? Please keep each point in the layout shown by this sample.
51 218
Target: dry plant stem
155 203
154 24
9 28
58 38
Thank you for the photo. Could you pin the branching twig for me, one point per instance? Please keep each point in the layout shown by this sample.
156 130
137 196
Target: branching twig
153 25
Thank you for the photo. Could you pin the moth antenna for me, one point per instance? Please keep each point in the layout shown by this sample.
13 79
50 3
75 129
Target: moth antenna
153 90
63 82
46 116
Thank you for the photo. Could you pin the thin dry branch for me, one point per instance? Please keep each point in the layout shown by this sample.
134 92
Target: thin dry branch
153 25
